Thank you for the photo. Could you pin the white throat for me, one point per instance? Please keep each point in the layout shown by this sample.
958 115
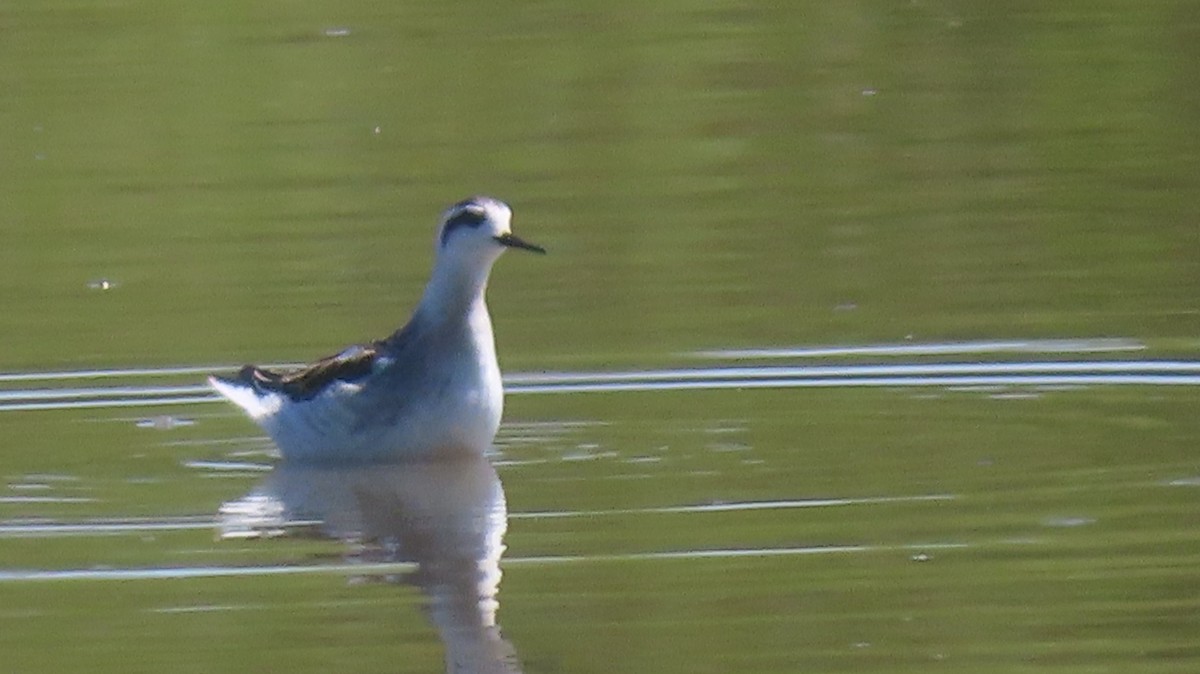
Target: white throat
458 285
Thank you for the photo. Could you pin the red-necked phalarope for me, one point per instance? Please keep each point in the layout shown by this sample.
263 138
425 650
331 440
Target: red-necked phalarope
432 388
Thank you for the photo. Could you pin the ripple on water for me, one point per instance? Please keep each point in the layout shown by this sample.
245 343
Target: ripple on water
973 376
164 422
1085 345
398 568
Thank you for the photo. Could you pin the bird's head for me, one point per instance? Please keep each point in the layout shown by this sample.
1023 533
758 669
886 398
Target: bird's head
479 227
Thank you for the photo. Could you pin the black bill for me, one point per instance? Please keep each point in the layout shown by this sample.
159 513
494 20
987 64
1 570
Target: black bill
513 241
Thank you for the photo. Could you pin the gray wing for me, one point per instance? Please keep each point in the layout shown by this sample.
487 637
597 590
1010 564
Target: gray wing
306 383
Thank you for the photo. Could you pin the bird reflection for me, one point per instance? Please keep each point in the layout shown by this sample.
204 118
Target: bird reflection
446 517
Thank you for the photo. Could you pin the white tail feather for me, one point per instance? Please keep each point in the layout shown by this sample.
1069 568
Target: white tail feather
257 405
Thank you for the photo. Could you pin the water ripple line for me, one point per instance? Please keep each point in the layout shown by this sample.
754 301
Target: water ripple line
978 374
391 568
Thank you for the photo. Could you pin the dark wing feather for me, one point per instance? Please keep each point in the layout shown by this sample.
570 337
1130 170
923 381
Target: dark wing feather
304 384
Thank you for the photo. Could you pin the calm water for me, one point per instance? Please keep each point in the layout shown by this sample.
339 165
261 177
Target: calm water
869 339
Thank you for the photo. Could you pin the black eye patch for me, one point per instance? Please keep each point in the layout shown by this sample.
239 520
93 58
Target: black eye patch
468 217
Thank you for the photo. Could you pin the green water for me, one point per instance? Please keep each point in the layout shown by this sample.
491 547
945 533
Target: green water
261 184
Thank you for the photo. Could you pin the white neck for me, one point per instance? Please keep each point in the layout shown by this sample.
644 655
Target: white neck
456 289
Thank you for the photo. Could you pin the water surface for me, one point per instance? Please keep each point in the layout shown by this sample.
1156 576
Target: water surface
867 340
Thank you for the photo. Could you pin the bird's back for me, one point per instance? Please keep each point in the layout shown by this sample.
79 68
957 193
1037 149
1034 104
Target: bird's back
429 389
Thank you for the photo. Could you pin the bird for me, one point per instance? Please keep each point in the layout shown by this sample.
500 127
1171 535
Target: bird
430 390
